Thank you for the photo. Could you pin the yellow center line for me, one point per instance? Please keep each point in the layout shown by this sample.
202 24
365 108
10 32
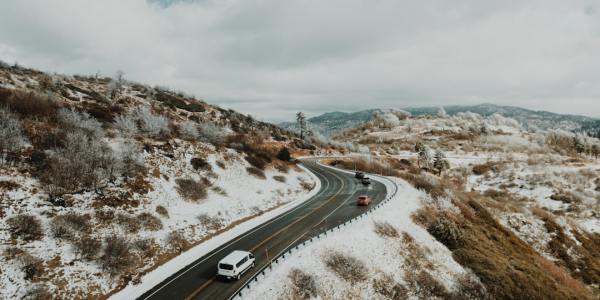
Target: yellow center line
211 280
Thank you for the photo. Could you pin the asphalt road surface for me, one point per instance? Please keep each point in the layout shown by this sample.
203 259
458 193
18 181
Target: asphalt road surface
332 205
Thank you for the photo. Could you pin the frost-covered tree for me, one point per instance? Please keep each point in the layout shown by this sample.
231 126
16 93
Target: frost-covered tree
441 112
152 124
189 130
84 163
115 87
126 125
301 123
440 162
74 120
11 135
424 160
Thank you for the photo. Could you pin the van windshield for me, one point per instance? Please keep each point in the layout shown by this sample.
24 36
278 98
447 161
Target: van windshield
225 267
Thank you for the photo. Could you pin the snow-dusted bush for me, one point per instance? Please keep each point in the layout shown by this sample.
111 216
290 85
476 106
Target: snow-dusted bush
126 125
189 130
152 124
441 112
87 247
130 158
11 134
212 134
74 120
83 163
500 120
387 120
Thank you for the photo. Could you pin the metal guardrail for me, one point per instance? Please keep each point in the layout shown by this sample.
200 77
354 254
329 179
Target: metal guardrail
279 258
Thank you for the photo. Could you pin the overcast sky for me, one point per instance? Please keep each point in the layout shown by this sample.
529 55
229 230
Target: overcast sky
271 58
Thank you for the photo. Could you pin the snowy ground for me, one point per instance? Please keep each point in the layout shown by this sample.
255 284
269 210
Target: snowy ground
381 255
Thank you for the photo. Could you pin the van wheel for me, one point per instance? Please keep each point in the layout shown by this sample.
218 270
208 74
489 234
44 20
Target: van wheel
252 265
237 277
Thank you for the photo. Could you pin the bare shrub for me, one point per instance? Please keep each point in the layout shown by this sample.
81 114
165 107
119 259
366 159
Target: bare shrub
151 124
116 256
211 223
199 163
385 285
128 222
191 189
304 284
38 292
69 225
149 221
161 210
147 247
256 172
28 104
385 229
258 161
12 253
87 247
446 232
104 216
27 227
347 267
483 169
32 266
279 178
177 241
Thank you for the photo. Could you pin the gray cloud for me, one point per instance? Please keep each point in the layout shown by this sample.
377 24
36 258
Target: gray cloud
271 58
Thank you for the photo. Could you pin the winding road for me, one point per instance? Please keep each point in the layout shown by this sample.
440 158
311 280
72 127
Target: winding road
333 204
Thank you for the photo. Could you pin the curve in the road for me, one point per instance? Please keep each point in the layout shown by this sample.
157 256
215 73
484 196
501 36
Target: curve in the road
332 205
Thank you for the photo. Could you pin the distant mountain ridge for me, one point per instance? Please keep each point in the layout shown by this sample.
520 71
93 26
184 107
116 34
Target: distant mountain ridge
333 122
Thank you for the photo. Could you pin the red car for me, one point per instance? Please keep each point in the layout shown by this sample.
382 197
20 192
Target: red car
363 201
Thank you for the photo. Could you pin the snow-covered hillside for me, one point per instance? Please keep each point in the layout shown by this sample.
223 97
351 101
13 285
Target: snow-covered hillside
103 180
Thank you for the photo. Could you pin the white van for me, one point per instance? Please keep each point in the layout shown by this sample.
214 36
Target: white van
235 264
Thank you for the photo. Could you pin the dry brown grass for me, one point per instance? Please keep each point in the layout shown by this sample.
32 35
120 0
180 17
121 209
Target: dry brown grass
347 267
386 286
385 229
304 285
